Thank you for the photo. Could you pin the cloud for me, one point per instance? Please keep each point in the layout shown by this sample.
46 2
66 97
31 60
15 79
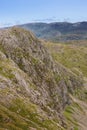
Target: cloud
51 19
8 24
17 22
5 24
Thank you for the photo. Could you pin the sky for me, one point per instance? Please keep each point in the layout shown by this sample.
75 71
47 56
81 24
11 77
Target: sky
14 12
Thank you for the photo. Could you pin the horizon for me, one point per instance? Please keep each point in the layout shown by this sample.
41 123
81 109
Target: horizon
42 23
19 12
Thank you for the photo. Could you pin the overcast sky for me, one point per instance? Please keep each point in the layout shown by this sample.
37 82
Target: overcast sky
25 11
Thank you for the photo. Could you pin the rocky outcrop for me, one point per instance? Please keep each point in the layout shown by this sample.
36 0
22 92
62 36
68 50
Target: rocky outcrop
30 79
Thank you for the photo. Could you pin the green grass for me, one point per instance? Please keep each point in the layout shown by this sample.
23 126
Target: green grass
68 113
72 56
6 69
21 115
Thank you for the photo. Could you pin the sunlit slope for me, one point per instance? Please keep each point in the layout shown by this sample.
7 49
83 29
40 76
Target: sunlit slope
34 90
73 55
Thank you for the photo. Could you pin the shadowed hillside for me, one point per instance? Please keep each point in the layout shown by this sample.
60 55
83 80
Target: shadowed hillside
59 31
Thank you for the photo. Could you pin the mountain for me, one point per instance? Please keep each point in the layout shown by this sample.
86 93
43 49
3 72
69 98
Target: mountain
58 31
73 55
36 92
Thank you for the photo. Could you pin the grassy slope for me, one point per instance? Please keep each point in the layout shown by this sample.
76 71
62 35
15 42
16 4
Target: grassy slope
71 55
74 56
18 112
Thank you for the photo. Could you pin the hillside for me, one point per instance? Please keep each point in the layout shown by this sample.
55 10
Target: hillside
36 92
58 31
73 55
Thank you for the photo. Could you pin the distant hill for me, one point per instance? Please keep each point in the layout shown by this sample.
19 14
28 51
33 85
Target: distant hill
58 31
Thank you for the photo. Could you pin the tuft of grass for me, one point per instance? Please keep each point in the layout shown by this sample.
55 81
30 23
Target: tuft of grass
21 115
68 113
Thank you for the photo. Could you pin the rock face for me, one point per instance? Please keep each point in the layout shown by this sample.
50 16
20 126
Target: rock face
34 90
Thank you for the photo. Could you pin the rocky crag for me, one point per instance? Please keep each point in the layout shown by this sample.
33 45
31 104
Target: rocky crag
34 89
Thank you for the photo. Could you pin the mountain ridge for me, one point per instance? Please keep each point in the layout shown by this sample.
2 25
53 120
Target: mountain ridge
58 31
